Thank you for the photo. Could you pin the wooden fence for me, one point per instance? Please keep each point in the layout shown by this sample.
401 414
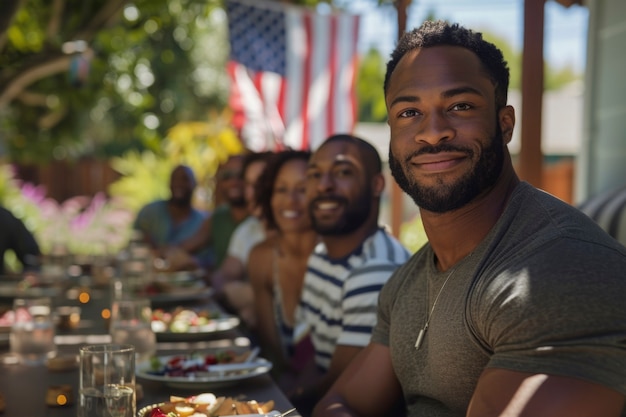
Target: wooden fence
63 180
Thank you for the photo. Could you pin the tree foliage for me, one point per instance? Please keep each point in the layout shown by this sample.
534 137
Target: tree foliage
99 77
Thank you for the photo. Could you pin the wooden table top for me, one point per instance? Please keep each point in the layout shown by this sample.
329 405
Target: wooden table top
24 387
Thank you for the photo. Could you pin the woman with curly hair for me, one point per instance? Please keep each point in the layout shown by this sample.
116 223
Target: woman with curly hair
276 266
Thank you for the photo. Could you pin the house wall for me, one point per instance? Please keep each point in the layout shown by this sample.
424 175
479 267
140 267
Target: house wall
602 163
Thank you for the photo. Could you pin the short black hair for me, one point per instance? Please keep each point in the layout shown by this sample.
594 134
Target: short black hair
265 185
370 155
441 33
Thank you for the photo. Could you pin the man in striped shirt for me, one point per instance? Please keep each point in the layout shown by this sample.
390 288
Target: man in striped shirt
354 259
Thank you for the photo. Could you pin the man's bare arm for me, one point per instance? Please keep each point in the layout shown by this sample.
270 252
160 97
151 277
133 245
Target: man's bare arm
200 238
367 387
505 393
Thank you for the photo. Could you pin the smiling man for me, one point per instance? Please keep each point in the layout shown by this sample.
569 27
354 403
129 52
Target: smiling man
515 306
356 257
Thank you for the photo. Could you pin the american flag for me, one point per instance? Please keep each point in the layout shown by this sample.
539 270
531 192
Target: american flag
292 73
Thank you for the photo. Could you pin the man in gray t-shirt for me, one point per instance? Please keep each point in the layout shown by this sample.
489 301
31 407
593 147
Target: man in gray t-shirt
515 307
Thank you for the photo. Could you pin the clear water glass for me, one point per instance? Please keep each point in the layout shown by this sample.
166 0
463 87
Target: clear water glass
131 323
107 381
32 330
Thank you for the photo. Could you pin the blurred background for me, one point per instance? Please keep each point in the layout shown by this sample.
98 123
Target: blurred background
100 99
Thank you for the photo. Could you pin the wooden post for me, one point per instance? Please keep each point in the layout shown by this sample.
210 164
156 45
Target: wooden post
397 196
531 156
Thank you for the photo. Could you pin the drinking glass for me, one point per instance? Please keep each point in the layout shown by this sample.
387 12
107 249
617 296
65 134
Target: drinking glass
32 331
131 323
107 381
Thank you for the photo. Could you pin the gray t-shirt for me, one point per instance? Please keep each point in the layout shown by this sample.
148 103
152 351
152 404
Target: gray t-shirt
544 292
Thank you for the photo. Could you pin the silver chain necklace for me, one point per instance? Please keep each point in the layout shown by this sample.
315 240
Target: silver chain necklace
422 333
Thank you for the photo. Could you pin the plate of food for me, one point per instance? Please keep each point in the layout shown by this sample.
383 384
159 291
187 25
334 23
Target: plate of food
207 404
183 324
203 370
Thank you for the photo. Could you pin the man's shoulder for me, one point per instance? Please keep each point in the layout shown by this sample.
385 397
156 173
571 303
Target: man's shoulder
221 210
536 218
383 247
153 208
6 214
250 226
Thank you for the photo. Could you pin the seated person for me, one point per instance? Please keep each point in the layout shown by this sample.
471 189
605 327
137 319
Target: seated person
168 222
230 280
515 306
355 258
217 229
277 265
17 238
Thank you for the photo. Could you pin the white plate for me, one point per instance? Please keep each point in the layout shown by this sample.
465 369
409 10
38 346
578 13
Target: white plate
224 375
143 412
216 325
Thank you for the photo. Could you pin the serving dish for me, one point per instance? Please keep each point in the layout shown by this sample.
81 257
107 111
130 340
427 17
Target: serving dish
213 376
184 324
145 412
207 404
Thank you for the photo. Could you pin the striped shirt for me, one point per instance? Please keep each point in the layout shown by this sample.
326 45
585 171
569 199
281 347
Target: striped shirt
340 296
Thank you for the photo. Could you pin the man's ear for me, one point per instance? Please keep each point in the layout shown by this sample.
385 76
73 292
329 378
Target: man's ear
506 120
378 185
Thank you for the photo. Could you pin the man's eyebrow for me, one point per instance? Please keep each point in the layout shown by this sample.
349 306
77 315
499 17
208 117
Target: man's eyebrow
461 90
407 99
339 160
446 94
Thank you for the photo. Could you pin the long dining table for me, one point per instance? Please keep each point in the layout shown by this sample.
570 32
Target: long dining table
25 386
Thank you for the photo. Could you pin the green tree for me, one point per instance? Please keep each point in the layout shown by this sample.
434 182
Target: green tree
99 77
369 89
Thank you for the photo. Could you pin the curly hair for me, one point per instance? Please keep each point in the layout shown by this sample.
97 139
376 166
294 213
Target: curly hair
441 33
265 184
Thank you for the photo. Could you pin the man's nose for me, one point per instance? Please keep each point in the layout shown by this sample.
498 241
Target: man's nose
326 182
434 128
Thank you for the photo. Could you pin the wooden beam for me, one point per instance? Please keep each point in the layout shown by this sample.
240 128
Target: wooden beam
397 196
530 166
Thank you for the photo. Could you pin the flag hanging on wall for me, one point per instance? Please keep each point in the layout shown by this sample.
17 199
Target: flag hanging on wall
292 73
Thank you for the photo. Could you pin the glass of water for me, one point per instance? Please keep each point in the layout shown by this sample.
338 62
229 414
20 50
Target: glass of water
107 381
32 331
131 323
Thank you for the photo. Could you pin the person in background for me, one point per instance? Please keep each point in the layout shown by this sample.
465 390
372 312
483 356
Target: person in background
231 281
164 223
14 236
215 231
354 259
515 307
276 266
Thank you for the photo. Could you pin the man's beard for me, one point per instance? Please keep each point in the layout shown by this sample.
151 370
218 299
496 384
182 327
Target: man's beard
238 202
354 216
448 197
181 201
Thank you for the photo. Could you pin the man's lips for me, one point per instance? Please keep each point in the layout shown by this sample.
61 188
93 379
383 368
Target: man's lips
437 162
291 214
326 205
